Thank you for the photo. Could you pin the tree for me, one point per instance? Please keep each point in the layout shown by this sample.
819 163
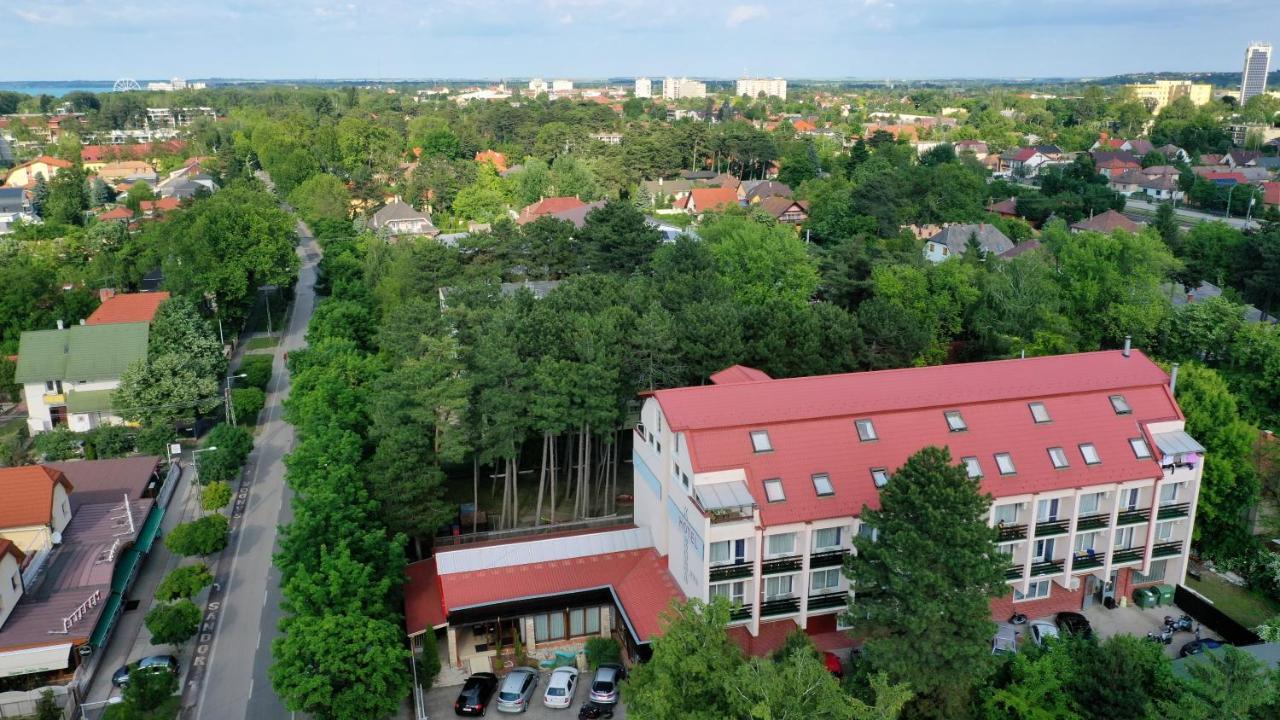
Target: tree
321 197
184 582
177 328
925 582
173 623
205 536
1035 688
1166 224
215 496
1230 684
762 263
484 200
799 164
223 464
693 667
1121 677
147 691
247 403
164 390
68 198
139 193
47 708
60 443
616 238
108 441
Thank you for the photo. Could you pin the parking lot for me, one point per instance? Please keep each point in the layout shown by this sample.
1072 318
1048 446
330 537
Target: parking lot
439 704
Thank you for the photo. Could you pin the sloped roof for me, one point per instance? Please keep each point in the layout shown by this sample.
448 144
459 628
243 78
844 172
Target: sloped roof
716 198
28 495
80 352
778 205
106 481
1008 206
8 548
119 213
1107 222
1271 193
128 308
737 374
578 215
397 210
768 188
548 206
956 237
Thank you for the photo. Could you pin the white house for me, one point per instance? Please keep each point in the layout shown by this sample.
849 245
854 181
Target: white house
398 218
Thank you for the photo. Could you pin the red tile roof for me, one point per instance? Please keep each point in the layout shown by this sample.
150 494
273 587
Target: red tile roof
548 206
811 426
8 548
493 157
28 495
128 308
1004 207
1212 175
803 126
139 151
161 205
1271 193
1024 154
1107 222
717 198
120 213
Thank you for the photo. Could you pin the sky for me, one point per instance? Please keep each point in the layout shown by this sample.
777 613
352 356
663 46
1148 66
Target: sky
871 39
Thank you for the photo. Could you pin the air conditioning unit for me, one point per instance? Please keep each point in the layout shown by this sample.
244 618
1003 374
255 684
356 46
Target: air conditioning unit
55 538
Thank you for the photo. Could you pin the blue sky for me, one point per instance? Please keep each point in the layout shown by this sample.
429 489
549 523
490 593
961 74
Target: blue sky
105 39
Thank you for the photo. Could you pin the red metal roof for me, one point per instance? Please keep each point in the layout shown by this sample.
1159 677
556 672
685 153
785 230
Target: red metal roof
548 206
127 308
28 495
423 607
737 374
811 426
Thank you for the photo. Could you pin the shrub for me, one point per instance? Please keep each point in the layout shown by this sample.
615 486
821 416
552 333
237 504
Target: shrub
248 403
602 650
154 439
108 441
199 537
173 623
429 660
58 444
221 465
257 371
215 496
149 690
184 582
47 707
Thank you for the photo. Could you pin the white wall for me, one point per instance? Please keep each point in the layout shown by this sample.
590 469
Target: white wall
9 572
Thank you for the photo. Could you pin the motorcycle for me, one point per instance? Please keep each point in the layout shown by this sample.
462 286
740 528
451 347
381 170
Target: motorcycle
1018 619
1164 637
591 711
1182 624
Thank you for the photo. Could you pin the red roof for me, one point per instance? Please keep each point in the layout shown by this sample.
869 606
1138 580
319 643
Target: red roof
28 495
1107 222
737 374
8 548
548 206
1004 207
161 205
128 308
717 198
1024 154
493 157
1211 175
1271 193
139 151
120 213
1118 164
803 126
423 607
811 426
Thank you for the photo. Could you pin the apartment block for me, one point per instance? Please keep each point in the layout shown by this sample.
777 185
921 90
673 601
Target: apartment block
1253 80
644 87
677 88
1160 94
771 87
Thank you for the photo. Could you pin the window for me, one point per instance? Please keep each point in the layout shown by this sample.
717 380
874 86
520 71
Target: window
826 539
1129 498
735 591
821 581
1006 549
1140 448
1007 514
577 622
1091 503
1124 538
1004 461
760 441
1085 542
781 544
822 485
1044 550
1120 405
866 531
1058 456
684 478
1090 454
773 490
880 476
1047 510
955 421
973 467
1155 574
14 581
778 587
1164 531
728 551
1039 413
48 386
1169 493
548 626
1035 591
866 430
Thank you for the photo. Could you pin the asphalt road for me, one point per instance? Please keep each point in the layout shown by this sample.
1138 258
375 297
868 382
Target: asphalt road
235 684
1144 211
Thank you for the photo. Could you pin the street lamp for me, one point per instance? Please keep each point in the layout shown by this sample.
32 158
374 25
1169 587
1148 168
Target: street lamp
267 290
228 409
195 461
1231 190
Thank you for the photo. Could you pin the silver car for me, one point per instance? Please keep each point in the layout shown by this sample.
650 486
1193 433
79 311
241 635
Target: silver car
1005 641
1042 631
604 687
516 691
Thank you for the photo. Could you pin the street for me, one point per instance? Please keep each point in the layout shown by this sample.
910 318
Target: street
1145 211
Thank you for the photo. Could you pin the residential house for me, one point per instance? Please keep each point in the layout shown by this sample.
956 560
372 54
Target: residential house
1221 177
153 209
1106 223
548 206
803 126
785 209
1138 147
666 192
1005 208
25 175
1211 159
578 214
1116 165
757 190
399 219
701 200
1173 153
1241 158
1271 194
94 157
15 205
1181 295
1021 248
129 172
705 176
6 152
120 213
1159 182
116 307
670 231
608 138
187 181
953 241
69 375
1023 162
977 147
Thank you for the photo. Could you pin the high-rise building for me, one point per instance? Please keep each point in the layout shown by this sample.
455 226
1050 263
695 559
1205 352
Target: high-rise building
1253 81
675 89
771 87
1159 94
537 86
561 86
644 87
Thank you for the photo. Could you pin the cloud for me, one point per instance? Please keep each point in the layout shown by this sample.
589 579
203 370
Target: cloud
740 14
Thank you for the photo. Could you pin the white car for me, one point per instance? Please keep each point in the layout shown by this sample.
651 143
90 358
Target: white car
561 686
1042 630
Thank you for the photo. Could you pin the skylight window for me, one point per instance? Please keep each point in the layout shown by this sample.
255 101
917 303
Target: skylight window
866 430
1058 456
760 441
1039 412
1004 461
973 467
955 421
773 490
1140 448
822 485
880 476
1090 454
1120 405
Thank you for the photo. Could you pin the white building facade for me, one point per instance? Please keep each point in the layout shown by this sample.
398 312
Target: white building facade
644 88
1257 61
771 87
680 88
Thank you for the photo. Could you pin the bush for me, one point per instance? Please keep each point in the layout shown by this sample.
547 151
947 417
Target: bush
215 496
155 439
247 403
257 371
58 444
149 690
221 465
184 582
47 707
429 660
199 537
108 441
602 650
174 623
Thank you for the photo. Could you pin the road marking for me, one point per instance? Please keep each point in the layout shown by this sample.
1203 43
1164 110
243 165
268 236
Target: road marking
259 643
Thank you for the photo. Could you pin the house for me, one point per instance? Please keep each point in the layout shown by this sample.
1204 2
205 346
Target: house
699 175
77 534
1159 182
494 158
1107 223
15 205
664 192
669 231
1271 194
1221 177
1181 295
152 209
803 126
1210 159
1021 248
1241 158
538 288
548 206
120 213
1174 153
702 200
1109 164
94 157
1023 162
1005 208
977 147
68 375
785 210
126 307
608 138
187 181
758 190
26 174
1138 147
128 171
578 215
953 241
398 219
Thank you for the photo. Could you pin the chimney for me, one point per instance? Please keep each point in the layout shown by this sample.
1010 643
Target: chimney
1173 379
105 294
60 325
1128 345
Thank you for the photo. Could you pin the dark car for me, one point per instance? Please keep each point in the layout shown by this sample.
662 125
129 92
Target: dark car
475 694
153 663
1195 647
1073 623
604 686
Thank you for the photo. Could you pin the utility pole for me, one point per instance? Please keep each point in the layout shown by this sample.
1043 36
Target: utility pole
229 409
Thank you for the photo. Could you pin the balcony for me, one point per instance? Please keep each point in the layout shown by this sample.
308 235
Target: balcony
827 601
792 563
1009 533
1051 567
1169 512
1085 562
730 572
783 606
1014 572
1119 557
828 558
740 612
1168 549
55 399
1133 517
728 515
1050 528
1092 522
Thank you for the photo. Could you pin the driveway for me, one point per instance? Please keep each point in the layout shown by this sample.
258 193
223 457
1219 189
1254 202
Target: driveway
439 704
1133 620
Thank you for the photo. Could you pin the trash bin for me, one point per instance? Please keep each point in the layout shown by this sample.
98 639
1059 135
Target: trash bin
1166 594
1145 598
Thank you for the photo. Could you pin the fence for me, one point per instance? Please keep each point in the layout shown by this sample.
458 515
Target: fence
590 523
22 704
1213 618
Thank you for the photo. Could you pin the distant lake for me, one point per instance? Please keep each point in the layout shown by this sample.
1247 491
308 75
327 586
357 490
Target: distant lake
58 89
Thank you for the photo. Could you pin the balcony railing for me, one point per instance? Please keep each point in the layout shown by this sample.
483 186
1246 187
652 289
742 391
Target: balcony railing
1052 567
1052 527
730 572
1014 572
1084 562
741 612
1168 549
1178 510
1133 517
1009 533
1126 556
829 558
55 399
1092 522
728 515
781 565
784 606
828 600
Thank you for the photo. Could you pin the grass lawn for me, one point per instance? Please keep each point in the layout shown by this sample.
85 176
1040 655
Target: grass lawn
167 711
1247 607
262 342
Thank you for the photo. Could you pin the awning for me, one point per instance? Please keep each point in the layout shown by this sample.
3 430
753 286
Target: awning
150 530
1177 442
35 660
124 570
106 621
724 495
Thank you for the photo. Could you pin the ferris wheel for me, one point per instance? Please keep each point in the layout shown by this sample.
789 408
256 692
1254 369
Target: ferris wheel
125 85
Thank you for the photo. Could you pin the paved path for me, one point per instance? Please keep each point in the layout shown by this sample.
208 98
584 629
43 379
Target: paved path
1142 210
229 673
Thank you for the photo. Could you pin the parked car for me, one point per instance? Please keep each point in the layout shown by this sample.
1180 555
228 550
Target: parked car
561 687
475 694
1073 623
1042 631
833 664
1006 640
516 691
153 663
1195 647
604 687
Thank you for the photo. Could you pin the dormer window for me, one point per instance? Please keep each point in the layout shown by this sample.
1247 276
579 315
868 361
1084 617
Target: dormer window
955 422
1004 461
1120 405
1141 450
1090 454
866 430
880 476
760 441
822 485
1058 456
773 490
973 467
1039 412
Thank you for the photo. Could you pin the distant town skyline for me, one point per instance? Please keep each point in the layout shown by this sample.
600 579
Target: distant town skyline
902 39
